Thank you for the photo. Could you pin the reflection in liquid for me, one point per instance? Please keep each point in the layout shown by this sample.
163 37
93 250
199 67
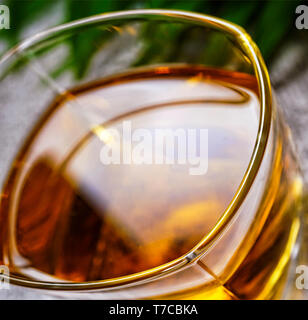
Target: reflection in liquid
79 220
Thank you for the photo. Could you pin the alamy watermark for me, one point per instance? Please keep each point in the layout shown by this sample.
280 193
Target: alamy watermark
301 21
155 146
301 281
4 17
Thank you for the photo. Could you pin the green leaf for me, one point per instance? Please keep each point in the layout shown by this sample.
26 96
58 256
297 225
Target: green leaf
85 44
275 20
239 13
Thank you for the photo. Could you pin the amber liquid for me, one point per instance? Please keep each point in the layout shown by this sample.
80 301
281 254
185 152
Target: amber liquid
69 217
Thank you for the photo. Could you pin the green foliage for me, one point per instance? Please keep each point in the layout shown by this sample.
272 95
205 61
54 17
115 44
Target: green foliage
274 22
268 21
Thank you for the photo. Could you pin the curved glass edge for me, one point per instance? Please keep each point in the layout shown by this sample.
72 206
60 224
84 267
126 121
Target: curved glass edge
251 50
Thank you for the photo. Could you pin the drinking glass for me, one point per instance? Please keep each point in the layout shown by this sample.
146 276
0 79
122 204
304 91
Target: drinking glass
246 253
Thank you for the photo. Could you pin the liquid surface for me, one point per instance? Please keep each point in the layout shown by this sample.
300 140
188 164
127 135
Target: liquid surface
75 218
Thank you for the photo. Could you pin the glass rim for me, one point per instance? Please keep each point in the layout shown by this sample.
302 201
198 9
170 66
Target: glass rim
251 50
